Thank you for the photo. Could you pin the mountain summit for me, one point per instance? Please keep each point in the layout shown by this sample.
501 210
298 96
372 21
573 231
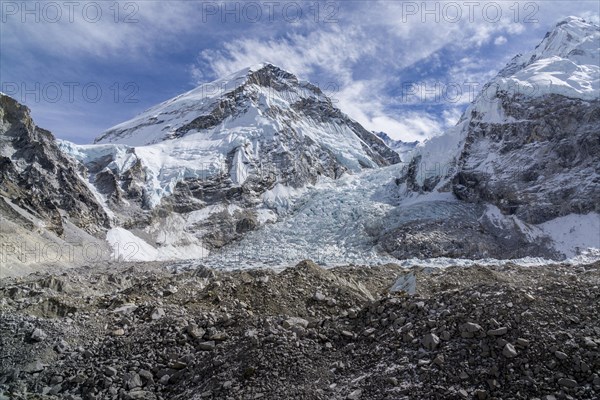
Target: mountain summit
206 105
225 157
257 117
566 62
259 103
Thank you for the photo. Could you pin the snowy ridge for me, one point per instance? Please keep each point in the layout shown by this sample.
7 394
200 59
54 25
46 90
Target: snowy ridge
566 62
572 38
235 125
161 122
404 149
248 110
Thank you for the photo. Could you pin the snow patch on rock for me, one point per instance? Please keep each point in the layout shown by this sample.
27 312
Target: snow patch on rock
574 234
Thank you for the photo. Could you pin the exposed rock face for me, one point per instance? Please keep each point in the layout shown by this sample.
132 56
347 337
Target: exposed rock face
528 145
533 138
37 177
542 166
524 121
458 230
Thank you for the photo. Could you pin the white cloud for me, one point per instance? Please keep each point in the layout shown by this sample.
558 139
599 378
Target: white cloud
364 54
403 125
500 40
410 126
100 29
451 116
334 50
363 101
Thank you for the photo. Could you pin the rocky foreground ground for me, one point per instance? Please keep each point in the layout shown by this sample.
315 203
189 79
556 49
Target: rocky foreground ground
139 331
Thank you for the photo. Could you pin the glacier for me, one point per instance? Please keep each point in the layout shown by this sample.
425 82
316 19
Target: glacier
359 208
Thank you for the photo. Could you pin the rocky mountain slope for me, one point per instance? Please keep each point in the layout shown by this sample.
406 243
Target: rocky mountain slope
525 152
234 171
538 160
38 178
202 169
48 214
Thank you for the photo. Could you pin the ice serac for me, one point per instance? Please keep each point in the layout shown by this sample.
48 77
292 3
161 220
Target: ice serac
220 160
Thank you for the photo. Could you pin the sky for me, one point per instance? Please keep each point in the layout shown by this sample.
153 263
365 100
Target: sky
408 68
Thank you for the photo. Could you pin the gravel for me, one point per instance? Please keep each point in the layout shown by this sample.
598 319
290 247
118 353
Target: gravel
138 331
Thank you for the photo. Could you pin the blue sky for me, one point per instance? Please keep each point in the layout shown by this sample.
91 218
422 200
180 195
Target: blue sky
403 67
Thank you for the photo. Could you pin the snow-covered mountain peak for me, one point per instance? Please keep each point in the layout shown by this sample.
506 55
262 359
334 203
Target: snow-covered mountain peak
565 63
253 90
572 36
240 146
563 70
200 170
264 75
264 67
404 149
572 43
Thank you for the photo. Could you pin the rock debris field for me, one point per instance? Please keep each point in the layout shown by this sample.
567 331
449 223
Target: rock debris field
141 331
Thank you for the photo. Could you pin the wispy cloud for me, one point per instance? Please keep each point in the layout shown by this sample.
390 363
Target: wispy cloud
99 29
364 52
500 40
334 50
372 54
